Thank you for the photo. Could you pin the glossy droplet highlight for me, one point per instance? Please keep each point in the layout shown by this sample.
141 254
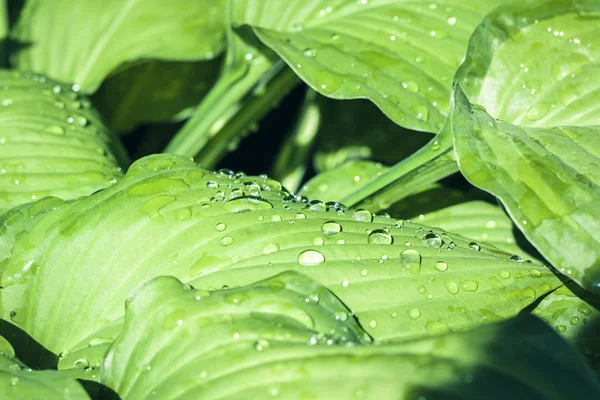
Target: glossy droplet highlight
538 111
310 53
433 239
410 260
380 236
451 287
441 266
331 228
270 248
310 257
414 313
469 285
474 246
226 240
362 215
220 227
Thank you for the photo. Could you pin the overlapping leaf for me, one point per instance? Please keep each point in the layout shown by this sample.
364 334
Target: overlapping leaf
96 37
51 142
169 217
540 156
405 65
274 338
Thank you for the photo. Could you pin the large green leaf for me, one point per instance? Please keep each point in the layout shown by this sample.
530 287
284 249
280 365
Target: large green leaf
154 91
96 37
546 178
51 142
167 216
400 54
480 221
19 382
576 318
274 339
537 147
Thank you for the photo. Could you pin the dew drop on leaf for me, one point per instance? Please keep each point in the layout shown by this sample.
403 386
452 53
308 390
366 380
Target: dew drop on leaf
226 240
469 285
433 239
270 248
220 227
410 260
310 257
451 287
474 246
441 266
380 236
362 215
414 313
331 228
261 344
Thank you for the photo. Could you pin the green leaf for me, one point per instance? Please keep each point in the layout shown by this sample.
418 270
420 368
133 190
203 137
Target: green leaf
531 170
480 221
537 146
334 184
19 382
251 342
577 319
154 91
167 216
52 142
405 65
548 51
96 37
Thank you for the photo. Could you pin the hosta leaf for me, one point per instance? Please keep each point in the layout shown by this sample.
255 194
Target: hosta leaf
167 216
51 142
575 318
251 342
478 220
546 178
548 51
288 309
538 156
405 66
96 37
336 183
154 91
19 382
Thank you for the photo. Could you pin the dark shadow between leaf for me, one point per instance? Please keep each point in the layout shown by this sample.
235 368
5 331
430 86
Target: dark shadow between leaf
28 350
98 391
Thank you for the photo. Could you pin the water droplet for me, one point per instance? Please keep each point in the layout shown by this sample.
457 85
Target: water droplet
528 293
411 261
331 228
226 240
261 344
184 214
362 215
516 258
14 381
433 239
469 285
414 313
422 289
81 363
212 185
318 241
373 324
380 236
561 328
412 86
441 266
310 53
451 287
574 320
56 129
436 328
504 274
240 204
474 246
535 273
335 37
220 227
364 272
270 248
341 316
585 310
538 111
421 112
451 21
310 257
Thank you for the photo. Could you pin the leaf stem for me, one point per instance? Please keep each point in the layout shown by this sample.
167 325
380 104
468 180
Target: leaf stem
429 164
248 111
